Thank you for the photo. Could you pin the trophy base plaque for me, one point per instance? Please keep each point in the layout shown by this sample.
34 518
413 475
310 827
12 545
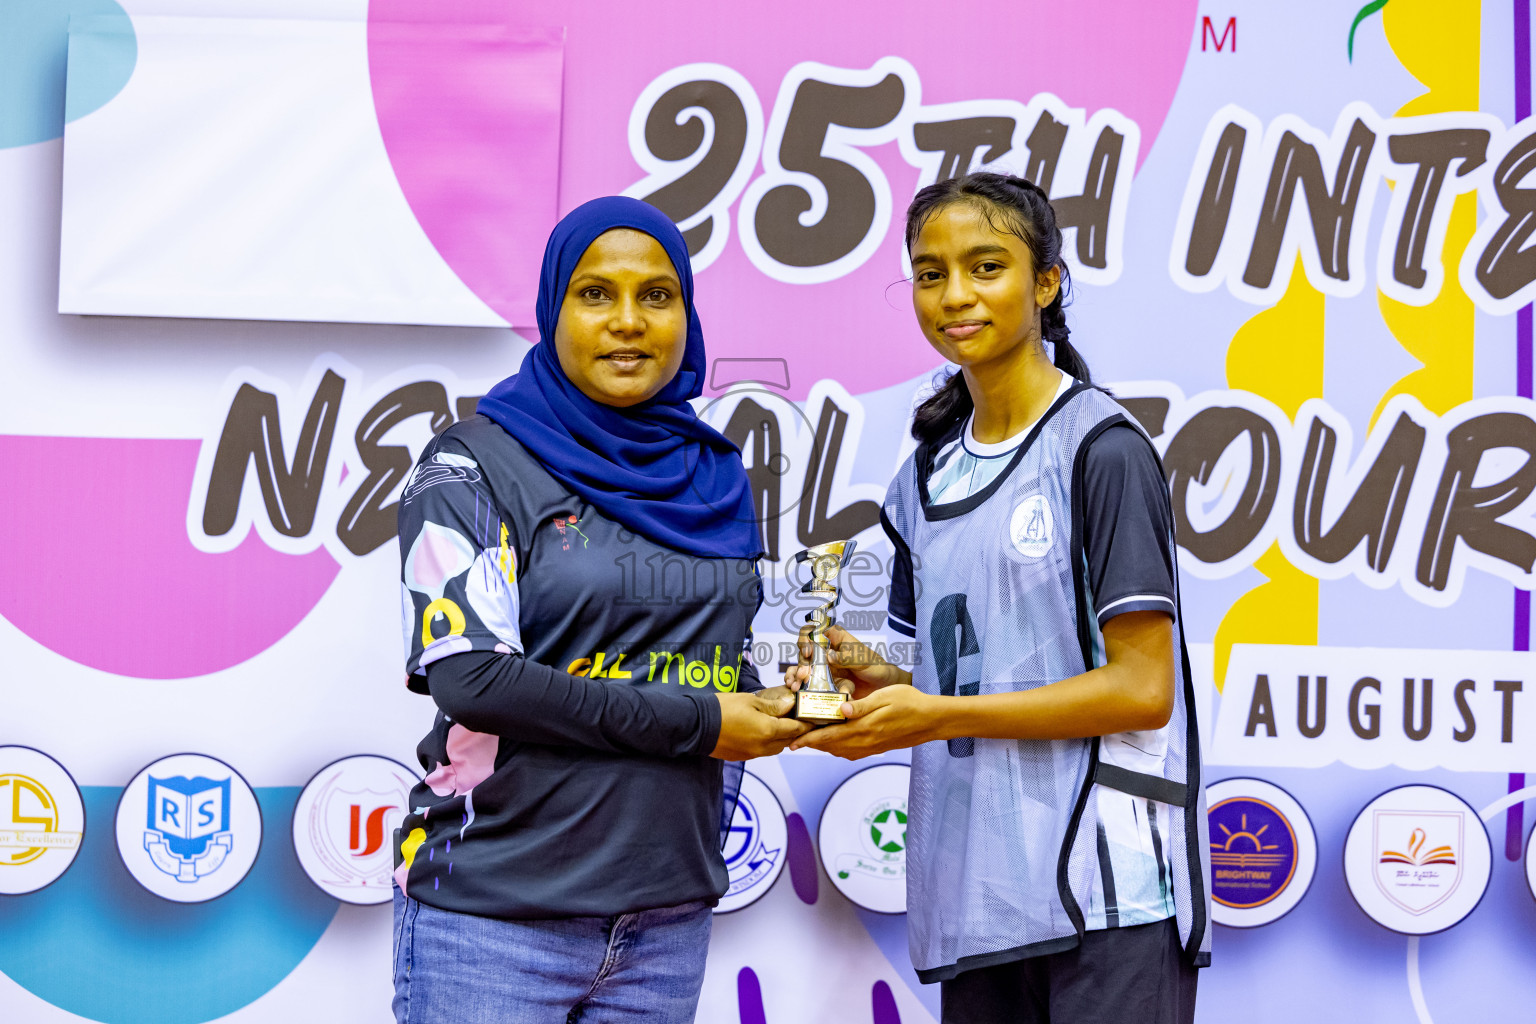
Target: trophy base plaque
822 707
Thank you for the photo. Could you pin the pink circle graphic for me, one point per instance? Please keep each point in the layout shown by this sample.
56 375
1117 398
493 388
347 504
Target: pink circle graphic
99 567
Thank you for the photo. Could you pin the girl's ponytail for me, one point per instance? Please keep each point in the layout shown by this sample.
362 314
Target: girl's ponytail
945 408
1053 328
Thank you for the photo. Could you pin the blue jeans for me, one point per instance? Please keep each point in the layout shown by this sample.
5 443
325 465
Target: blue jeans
455 968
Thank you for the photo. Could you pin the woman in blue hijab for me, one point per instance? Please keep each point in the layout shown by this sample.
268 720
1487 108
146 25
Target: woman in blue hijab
579 581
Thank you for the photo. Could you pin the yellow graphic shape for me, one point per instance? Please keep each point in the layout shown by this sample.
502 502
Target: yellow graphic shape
410 845
27 794
1277 354
443 606
1439 45
1441 49
508 557
1281 611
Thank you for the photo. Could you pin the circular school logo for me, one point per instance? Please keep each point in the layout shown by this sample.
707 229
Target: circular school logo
1263 852
1417 859
343 822
863 838
1030 528
42 820
188 828
755 846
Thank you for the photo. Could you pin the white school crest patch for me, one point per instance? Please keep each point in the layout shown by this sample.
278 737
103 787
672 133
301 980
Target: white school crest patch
1031 529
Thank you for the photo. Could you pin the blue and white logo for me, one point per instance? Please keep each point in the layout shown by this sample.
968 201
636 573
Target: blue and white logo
188 828
188 835
754 848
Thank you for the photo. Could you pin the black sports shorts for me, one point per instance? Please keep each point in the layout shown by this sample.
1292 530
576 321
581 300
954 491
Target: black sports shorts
1113 976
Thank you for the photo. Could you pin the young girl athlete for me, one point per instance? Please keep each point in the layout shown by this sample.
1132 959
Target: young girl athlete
1056 832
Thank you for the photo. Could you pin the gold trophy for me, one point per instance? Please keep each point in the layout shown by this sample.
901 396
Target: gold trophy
819 701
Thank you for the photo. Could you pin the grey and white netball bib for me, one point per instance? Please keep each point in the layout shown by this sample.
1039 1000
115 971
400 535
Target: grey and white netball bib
1012 844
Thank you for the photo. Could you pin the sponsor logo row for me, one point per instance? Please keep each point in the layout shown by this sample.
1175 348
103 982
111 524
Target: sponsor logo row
1417 859
862 841
188 829
188 826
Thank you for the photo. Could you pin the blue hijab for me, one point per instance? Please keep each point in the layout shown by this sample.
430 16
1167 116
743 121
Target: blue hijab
655 468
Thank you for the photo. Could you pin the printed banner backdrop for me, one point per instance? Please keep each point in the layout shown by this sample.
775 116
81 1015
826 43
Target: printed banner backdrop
1300 236
271 169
